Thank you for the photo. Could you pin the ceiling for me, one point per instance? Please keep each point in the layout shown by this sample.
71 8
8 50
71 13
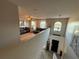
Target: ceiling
47 8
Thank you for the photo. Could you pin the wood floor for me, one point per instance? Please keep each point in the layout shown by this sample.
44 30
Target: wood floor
26 37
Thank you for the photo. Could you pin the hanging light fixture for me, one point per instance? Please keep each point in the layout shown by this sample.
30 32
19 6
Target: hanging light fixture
29 18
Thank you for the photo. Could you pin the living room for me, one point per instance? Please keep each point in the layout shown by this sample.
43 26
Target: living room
64 14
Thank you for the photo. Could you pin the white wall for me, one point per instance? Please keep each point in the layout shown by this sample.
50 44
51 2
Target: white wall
70 54
72 25
9 27
29 50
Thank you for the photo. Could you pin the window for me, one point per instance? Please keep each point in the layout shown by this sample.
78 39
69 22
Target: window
24 23
27 23
33 25
57 26
21 23
43 24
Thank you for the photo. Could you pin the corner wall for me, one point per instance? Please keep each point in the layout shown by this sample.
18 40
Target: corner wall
9 27
72 25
